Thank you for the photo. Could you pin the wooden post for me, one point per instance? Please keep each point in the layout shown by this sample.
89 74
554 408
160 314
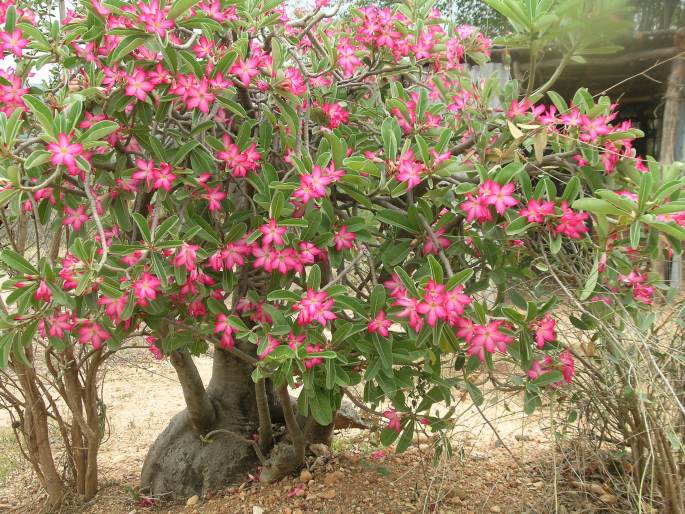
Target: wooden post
672 146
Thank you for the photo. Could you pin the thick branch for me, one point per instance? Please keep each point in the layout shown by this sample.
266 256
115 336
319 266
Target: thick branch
200 408
266 436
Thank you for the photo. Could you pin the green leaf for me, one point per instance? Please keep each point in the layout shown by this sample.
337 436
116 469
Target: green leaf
320 406
475 394
436 269
551 377
388 436
459 278
41 111
377 299
635 233
671 229
276 205
165 227
597 206
407 281
396 219
99 130
143 228
591 282
406 437
18 263
384 351
179 7
518 226
283 294
314 277
37 158
126 46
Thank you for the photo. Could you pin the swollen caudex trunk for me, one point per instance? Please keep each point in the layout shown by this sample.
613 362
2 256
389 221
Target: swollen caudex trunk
209 445
181 462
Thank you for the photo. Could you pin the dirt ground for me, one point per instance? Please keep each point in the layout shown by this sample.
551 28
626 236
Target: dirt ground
508 471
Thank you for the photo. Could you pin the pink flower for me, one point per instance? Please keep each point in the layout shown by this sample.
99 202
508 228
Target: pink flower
199 97
488 338
476 208
245 70
186 255
64 152
394 420
57 325
380 324
410 312
313 185
572 224
214 197
114 307
138 85
154 349
91 332
294 82
239 162
310 362
567 366
429 247
343 239
535 370
347 60
271 345
545 330
643 293
499 196
163 177
315 306
203 48
378 455
75 218
146 288
273 234
593 128
155 19
223 327
409 170
14 42
336 113
537 210
433 304
43 292
456 301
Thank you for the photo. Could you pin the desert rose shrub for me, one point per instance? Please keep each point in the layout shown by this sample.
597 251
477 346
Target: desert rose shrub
326 205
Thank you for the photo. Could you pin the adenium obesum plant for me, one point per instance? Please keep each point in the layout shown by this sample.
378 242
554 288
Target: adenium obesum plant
327 204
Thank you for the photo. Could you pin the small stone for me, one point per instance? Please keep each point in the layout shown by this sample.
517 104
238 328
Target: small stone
320 450
192 501
538 485
333 478
352 458
298 511
597 489
608 498
495 508
256 509
305 476
328 494
459 493
132 512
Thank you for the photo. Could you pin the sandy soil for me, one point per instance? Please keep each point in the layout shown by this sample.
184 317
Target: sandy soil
508 472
